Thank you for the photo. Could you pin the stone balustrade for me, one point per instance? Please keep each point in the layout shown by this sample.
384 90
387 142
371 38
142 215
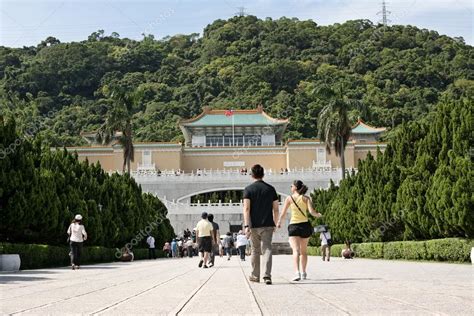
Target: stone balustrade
235 175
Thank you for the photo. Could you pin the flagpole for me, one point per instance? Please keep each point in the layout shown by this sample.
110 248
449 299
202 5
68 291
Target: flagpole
233 140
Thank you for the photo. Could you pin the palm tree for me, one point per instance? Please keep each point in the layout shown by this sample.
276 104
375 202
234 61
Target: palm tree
334 125
119 119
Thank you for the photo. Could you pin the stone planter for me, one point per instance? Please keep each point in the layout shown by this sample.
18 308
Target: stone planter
10 262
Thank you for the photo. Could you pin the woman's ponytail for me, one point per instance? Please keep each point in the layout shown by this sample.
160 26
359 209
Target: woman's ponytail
301 188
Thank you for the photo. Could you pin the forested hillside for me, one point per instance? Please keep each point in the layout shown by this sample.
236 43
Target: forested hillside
398 72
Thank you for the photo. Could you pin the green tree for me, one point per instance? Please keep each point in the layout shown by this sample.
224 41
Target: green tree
335 128
119 119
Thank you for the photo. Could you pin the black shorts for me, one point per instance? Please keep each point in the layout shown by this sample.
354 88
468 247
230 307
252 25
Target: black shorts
303 230
205 244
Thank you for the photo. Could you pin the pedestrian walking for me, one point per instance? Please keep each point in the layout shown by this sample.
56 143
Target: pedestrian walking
299 229
221 247
77 236
242 244
174 248
189 247
167 249
151 247
326 243
203 233
180 248
228 245
215 239
260 215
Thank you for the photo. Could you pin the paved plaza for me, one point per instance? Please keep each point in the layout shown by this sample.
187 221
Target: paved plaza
179 287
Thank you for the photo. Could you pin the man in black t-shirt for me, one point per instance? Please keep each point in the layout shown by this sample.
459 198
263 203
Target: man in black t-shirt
260 216
215 239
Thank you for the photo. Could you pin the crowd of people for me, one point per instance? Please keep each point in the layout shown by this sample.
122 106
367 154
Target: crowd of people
208 245
261 218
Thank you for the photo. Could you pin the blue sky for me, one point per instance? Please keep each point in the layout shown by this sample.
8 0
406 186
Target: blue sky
27 22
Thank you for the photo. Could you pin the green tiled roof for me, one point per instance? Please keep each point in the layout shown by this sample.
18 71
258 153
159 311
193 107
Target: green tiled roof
362 128
239 119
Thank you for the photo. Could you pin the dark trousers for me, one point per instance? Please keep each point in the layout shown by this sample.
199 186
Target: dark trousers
190 251
151 253
242 252
215 248
76 251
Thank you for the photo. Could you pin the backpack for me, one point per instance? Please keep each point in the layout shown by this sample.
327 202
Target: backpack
228 242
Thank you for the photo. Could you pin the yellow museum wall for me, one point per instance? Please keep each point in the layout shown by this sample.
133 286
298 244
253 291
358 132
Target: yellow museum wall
109 162
167 160
213 160
301 157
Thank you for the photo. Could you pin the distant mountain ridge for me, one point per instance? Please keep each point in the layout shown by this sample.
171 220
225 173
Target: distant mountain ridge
398 73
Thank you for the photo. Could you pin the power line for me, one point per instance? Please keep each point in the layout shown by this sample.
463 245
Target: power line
241 11
384 13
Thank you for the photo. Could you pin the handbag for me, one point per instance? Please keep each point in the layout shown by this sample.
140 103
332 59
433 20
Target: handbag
329 241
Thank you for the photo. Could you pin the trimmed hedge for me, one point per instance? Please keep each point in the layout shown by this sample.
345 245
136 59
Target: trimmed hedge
448 249
35 256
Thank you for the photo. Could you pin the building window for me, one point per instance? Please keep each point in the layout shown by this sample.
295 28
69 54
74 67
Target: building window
321 155
268 140
214 141
146 158
253 140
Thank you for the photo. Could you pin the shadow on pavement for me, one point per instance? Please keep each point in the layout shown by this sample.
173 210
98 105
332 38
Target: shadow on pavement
96 268
349 279
23 272
17 278
310 282
328 281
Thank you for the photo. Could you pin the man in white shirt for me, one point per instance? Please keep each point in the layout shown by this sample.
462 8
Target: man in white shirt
189 247
325 248
242 244
151 247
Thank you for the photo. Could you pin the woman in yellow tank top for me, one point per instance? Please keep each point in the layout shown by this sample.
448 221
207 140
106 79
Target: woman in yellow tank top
299 229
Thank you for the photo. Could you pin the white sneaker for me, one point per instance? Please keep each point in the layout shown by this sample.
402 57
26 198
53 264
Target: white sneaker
303 275
297 277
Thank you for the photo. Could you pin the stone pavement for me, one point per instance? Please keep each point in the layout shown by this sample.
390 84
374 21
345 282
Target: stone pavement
178 286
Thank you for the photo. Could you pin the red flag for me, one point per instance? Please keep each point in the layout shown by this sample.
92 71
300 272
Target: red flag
229 112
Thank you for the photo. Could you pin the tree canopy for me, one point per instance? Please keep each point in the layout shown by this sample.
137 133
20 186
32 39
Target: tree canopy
398 73
419 188
41 190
